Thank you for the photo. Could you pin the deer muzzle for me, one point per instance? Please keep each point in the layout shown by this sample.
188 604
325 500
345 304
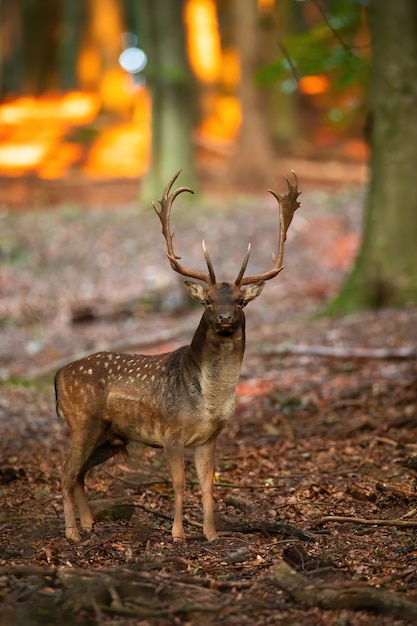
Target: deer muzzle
225 323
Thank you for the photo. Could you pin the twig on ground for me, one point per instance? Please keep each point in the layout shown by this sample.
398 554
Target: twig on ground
400 522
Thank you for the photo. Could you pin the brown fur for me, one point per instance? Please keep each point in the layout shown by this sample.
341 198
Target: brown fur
175 400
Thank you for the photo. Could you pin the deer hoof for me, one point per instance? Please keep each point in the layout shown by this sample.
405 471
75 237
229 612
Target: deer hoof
73 535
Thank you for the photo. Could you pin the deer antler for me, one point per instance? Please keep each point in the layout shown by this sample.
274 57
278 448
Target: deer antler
164 214
288 204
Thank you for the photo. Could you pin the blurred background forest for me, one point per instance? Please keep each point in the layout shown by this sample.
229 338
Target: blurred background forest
78 78
102 102
236 93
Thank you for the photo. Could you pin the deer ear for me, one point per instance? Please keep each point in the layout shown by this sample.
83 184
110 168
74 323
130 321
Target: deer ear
252 291
195 290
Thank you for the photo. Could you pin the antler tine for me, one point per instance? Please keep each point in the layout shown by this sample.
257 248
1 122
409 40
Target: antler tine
164 214
244 266
287 204
209 264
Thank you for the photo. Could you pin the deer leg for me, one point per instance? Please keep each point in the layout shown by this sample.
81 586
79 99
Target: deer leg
71 486
82 457
72 482
84 511
175 458
100 454
204 463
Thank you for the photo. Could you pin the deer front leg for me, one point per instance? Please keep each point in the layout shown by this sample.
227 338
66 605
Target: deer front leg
204 463
175 458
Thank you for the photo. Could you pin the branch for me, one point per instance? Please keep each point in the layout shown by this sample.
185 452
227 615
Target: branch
334 32
400 523
344 596
290 62
338 352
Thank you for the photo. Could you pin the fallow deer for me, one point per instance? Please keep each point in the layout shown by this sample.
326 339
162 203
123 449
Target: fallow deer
175 400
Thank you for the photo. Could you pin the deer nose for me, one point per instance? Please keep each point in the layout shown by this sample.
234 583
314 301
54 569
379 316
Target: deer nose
225 318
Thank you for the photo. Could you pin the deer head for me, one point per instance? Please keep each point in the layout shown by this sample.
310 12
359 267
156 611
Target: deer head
224 301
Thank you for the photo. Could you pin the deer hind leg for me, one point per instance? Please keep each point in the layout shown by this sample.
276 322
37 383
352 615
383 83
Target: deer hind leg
72 483
204 463
175 458
100 454
77 465
84 511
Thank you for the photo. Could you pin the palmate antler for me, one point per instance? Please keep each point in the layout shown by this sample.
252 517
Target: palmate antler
164 214
288 204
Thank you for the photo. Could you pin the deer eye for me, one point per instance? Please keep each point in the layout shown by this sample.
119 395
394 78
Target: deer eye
208 304
241 302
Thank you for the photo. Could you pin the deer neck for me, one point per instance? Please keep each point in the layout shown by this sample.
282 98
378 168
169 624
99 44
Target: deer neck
215 358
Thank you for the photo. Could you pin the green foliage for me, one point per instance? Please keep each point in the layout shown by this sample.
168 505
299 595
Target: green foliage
327 48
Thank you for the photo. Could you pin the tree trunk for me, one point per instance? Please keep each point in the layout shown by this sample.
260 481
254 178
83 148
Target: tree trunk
283 114
12 48
252 166
171 86
71 28
385 273
40 45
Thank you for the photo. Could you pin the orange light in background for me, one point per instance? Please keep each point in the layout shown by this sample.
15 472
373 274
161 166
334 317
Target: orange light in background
211 64
224 122
32 131
203 39
266 5
27 109
73 108
314 85
78 107
35 132
89 67
121 150
230 68
124 149
60 158
106 24
142 112
16 159
114 91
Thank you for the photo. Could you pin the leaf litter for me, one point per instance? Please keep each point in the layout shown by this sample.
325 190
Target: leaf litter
316 470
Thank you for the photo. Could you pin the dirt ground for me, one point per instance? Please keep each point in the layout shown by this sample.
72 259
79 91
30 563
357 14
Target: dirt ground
315 480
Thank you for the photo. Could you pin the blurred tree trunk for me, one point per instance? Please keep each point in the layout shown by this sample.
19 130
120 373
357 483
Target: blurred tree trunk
40 41
171 84
11 28
252 166
72 20
283 105
385 272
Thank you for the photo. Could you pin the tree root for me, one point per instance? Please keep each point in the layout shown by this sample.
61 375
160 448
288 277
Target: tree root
343 596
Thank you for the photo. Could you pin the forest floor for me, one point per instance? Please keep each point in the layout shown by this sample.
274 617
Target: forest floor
315 480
